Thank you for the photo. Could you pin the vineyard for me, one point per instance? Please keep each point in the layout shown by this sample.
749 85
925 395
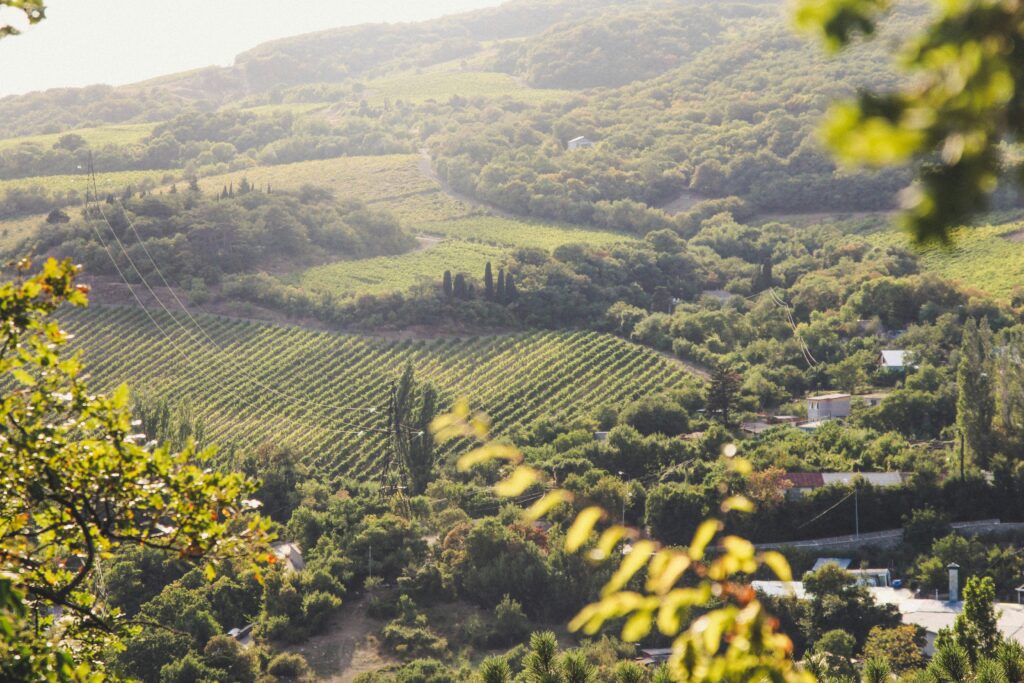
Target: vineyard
325 393
988 257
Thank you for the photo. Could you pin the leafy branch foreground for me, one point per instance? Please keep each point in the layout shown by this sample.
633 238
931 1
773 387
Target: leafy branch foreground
962 99
78 483
732 638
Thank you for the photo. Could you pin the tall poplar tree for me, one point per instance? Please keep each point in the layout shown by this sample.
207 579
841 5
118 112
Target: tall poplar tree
975 404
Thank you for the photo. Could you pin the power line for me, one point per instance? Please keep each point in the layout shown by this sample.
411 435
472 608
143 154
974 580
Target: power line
204 333
354 428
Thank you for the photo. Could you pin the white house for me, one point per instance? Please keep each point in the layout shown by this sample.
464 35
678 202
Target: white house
893 359
582 142
828 406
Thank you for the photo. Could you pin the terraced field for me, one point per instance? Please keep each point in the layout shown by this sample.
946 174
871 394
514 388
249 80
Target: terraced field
324 393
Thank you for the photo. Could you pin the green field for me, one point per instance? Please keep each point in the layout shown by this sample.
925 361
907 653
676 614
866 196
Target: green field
325 393
385 274
288 107
123 134
394 182
521 232
398 184
442 85
988 257
14 230
105 182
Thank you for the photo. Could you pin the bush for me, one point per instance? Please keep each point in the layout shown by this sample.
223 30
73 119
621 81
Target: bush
317 608
510 623
288 666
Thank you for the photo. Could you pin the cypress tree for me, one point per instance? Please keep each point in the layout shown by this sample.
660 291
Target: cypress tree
459 287
510 288
488 282
499 293
446 284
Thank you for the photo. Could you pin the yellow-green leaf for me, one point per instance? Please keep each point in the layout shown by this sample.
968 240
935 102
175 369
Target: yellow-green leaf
777 562
546 504
705 532
488 452
521 479
631 564
581 528
738 503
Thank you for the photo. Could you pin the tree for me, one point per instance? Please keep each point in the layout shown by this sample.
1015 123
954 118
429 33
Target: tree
735 639
876 670
459 287
656 415
900 647
495 670
975 403
57 216
511 294
499 290
82 484
976 629
446 284
960 101
540 664
488 282
413 408
722 393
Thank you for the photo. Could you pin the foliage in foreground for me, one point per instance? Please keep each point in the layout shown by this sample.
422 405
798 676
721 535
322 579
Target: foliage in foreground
79 484
734 639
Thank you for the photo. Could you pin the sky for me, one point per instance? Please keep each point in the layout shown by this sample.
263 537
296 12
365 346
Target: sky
83 42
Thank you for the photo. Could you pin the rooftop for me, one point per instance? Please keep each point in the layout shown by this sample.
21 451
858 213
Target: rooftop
828 397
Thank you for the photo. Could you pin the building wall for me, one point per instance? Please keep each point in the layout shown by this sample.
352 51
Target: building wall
822 409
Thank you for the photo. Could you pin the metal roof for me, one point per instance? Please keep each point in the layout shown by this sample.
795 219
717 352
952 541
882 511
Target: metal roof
894 358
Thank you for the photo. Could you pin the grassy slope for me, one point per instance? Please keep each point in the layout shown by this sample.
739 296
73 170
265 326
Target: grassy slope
122 134
987 257
312 389
446 84
106 182
397 183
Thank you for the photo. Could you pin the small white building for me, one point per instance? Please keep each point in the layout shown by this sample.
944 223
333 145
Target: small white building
828 406
581 142
893 359
290 555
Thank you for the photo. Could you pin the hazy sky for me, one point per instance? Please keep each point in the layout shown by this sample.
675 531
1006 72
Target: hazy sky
122 41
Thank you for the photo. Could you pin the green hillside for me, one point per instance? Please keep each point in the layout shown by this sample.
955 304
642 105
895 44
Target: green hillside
324 393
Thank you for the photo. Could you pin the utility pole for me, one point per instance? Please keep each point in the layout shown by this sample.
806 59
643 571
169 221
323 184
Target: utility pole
856 511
